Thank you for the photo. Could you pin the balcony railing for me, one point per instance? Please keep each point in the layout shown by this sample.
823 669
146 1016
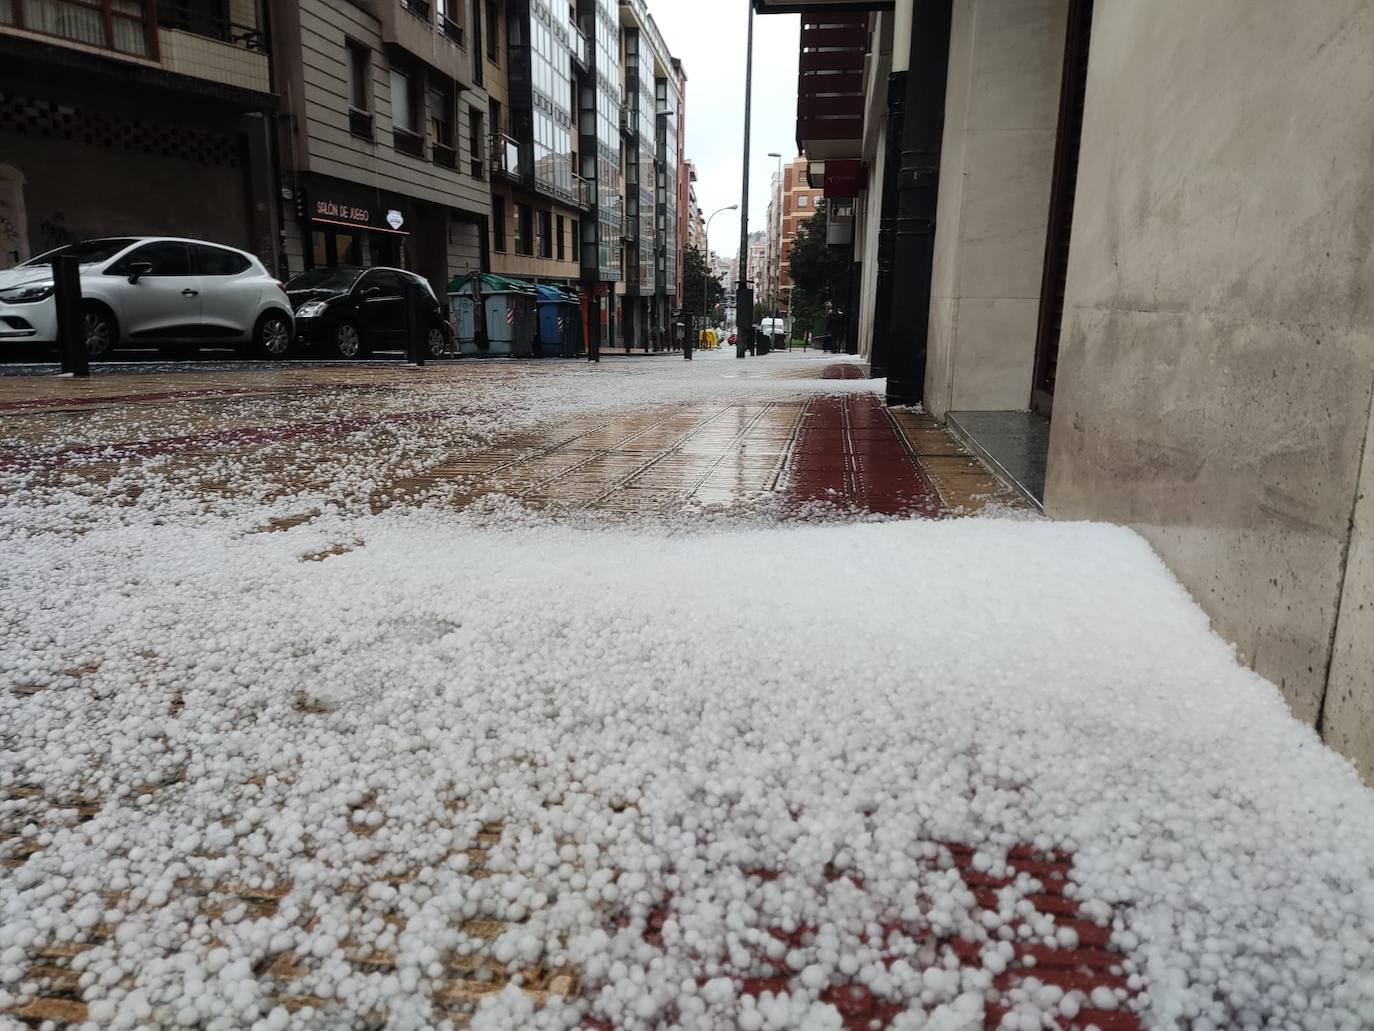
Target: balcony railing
360 123
419 8
123 26
443 155
199 20
452 29
505 155
408 142
582 49
585 190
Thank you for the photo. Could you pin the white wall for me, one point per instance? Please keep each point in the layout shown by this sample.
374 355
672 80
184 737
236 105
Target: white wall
1217 352
1001 118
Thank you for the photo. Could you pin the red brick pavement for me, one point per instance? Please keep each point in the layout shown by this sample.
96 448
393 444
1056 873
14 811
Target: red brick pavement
849 451
1090 964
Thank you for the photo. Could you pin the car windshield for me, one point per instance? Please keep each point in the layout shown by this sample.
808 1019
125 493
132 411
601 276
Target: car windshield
87 253
339 279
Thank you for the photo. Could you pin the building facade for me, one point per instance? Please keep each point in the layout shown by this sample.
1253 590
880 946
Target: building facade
1129 243
383 146
120 118
536 56
652 84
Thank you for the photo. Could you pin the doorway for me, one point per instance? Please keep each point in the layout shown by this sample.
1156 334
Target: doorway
1064 183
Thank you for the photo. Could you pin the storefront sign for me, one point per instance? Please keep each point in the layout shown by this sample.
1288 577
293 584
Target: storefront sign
844 179
342 212
344 204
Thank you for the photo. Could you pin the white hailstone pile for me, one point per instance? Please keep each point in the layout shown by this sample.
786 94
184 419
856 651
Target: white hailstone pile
683 764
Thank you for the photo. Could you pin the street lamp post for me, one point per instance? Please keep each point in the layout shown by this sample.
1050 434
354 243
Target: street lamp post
776 292
744 296
707 257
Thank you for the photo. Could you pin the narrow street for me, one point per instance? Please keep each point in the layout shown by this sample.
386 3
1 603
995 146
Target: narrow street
623 696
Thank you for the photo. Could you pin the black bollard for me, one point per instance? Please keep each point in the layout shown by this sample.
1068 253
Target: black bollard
71 322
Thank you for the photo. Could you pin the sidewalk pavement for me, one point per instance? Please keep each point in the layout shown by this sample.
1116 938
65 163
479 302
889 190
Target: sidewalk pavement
732 455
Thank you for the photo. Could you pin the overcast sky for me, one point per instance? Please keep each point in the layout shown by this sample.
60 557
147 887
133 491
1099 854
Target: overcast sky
709 37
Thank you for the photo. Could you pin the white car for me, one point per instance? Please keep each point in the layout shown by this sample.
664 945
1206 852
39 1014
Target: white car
153 292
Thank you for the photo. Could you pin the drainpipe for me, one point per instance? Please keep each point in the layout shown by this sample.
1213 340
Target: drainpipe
918 182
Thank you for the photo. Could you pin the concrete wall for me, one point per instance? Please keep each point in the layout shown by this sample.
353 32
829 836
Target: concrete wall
1218 342
1001 118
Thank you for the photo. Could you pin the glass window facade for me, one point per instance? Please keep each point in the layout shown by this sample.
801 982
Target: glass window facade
605 233
550 37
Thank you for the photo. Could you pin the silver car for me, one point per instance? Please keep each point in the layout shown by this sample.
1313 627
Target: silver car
164 292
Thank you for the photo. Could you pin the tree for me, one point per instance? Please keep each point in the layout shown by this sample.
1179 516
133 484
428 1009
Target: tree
820 273
694 275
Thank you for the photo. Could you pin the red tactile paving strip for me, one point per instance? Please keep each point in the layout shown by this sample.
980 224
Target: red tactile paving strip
1092 964
220 438
848 452
109 399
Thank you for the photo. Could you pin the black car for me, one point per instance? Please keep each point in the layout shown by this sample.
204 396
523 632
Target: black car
350 312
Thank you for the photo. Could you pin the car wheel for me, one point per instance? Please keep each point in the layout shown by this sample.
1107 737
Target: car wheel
436 342
272 335
102 332
348 342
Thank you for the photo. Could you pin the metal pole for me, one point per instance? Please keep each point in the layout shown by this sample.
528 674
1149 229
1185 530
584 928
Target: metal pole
71 322
918 183
415 326
744 306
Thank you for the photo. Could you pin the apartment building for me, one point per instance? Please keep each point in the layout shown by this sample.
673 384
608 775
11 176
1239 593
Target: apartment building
383 147
652 84
798 200
145 118
536 55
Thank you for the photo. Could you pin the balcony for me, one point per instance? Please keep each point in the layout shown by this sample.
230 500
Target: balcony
505 156
581 49
585 191
628 120
830 85
427 35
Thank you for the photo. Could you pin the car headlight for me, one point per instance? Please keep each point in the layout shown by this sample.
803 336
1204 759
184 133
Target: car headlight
309 309
29 293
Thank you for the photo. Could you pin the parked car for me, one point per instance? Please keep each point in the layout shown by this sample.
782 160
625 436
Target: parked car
141 291
353 311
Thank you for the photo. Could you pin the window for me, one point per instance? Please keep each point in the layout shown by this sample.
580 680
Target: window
219 261
359 89
493 32
453 19
405 112
111 24
441 134
477 144
167 258
803 201
524 230
498 223
545 236
494 114
562 253
359 76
